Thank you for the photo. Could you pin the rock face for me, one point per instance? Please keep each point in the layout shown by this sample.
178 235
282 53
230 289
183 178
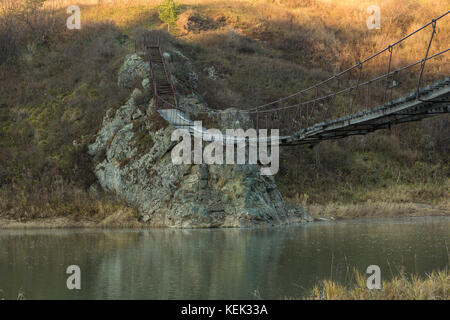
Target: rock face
132 156
133 69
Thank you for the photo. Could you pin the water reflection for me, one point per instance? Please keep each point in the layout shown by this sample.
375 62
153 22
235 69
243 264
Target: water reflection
215 264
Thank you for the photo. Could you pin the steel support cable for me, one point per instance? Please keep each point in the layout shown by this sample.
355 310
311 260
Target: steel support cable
388 71
354 66
336 76
352 87
320 98
344 71
422 66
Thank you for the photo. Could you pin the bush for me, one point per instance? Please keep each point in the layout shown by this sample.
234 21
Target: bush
168 12
26 24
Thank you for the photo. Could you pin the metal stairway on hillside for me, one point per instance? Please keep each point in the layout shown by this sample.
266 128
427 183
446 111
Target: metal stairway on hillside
164 92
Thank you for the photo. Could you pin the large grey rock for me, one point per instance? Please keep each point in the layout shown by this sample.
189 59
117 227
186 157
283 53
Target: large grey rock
132 154
133 71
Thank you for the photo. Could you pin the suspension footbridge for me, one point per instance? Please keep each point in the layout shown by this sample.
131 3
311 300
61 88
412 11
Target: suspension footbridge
359 100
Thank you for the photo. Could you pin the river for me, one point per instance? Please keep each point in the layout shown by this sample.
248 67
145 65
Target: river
270 263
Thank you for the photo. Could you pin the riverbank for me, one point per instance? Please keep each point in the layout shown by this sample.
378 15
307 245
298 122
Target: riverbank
379 209
434 286
122 218
354 200
127 217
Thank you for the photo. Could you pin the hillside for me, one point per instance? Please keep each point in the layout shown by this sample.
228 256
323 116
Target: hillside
56 85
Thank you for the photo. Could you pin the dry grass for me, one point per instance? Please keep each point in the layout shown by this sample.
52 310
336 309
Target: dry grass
324 36
120 218
377 210
360 176
371 201
431 199
434 286
317 30
59 205
333 28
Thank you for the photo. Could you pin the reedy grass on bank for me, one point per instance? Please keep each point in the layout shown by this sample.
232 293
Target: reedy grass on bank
433 286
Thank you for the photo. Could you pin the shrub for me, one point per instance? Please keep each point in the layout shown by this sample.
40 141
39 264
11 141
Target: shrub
168 12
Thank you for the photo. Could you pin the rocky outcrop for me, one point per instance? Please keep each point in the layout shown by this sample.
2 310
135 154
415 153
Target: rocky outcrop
133 70
132 156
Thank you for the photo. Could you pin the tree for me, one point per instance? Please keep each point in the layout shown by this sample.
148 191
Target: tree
168 12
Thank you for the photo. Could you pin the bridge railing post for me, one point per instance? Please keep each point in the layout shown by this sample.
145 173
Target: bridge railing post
424 60
390 49
298 115
360 68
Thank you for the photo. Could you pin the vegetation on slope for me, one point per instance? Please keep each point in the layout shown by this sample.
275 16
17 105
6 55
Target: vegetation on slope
56 85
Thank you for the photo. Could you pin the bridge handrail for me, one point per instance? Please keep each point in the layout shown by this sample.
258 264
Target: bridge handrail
357 65
328 92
